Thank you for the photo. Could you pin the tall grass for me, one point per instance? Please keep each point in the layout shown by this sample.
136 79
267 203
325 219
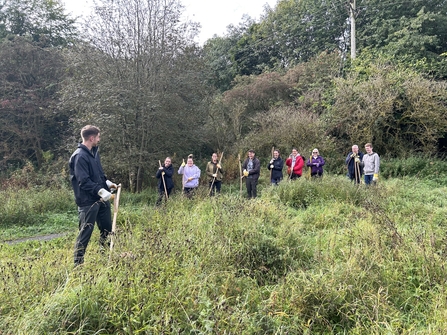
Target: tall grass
307 257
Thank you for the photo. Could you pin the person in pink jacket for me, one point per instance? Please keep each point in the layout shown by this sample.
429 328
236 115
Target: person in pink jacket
295 164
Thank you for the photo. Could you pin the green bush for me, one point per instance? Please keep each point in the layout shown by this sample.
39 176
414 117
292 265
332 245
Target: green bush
421 166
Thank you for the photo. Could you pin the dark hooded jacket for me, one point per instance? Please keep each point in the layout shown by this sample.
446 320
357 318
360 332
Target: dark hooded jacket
169 171
86 175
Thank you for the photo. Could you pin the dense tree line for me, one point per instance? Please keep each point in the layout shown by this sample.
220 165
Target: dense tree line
135 71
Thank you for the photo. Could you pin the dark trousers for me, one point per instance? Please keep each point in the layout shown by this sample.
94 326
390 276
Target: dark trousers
353 176
100 213
251 184
294 176
215 187
162 195
275 181
189 191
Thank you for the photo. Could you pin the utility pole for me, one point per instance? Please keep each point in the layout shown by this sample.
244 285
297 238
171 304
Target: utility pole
352 17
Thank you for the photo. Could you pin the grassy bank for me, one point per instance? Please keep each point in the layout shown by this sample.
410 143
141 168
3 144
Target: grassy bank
304 258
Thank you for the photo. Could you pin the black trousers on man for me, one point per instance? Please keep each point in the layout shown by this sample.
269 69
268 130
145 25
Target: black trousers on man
100 213
251 184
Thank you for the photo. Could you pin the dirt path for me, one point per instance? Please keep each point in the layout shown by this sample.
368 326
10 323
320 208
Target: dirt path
36 238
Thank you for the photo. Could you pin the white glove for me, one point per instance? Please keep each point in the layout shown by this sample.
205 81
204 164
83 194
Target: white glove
271 166
160 168
357 160
104 194
271 162
111 185
219 166
214 175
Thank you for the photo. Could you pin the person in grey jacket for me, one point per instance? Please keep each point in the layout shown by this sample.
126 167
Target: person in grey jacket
371 165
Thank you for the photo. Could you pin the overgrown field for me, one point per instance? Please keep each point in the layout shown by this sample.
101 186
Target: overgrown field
309 257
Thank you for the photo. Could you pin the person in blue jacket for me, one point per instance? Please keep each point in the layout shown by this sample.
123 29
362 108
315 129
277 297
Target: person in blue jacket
92 191
275 166
315 163
165 172
353 161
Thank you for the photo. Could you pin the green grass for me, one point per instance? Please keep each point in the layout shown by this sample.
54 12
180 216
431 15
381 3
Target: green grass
308 257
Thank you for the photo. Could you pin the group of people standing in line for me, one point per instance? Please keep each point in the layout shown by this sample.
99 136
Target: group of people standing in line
93 190
251 172
358 164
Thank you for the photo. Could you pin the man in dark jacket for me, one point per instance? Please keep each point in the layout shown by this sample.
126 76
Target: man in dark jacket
164 176
92 191
252 169
353 160
275 166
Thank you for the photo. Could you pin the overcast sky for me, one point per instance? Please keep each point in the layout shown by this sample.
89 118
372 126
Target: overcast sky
213 15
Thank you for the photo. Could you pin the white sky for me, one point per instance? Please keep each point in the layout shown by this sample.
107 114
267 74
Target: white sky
213 15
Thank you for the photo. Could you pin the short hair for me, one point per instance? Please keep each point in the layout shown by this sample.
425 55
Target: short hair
88 131
355 145
276 150
294 148
251 150
368 145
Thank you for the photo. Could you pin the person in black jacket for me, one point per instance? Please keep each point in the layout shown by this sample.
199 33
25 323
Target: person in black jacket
275 166
252 169
92 191
165 172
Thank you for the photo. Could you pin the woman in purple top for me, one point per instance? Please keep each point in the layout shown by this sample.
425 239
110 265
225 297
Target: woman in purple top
316 163
191 176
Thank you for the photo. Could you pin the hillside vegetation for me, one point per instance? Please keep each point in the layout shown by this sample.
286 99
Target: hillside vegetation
307 257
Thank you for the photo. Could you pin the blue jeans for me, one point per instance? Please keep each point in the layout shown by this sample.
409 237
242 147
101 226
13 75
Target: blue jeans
368 179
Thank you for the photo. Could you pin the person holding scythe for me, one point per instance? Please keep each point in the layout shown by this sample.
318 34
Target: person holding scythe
215 174
353 162
295 164
190 176
252 170
315 162
165 182
92 192
275 166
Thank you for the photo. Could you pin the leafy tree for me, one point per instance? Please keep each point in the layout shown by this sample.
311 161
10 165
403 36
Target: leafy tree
29 81
411 31
219 58
395 108
44 21
140 79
